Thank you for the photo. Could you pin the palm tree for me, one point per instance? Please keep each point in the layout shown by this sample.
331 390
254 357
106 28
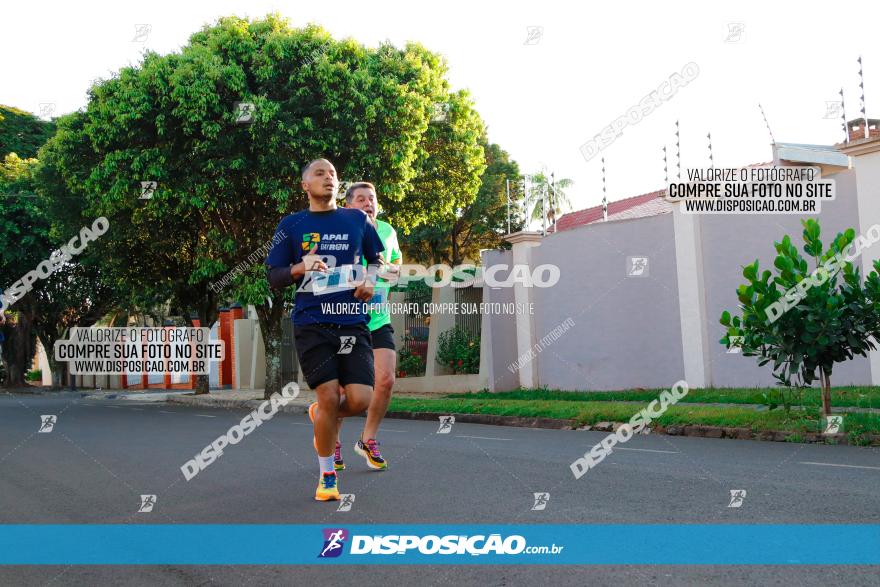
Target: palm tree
557 201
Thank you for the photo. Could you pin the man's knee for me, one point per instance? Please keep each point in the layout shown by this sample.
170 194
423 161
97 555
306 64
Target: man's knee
384 381
328 398
358 401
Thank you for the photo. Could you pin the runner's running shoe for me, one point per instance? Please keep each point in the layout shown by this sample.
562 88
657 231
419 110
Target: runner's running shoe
328 488
370 451
338 463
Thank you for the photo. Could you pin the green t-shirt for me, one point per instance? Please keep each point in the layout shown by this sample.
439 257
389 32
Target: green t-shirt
388 236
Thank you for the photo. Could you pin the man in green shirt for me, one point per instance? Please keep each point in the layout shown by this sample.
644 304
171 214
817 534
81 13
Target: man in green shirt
362 195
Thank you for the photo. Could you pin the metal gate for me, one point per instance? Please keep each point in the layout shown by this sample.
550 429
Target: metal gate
289 362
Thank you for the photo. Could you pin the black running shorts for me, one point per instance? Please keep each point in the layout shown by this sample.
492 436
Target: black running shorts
330 351
383 337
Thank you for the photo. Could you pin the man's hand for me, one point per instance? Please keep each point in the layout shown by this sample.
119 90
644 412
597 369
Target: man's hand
388 271
364 292
310 262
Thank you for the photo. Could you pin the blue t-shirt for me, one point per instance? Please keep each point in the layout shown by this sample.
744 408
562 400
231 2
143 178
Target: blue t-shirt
343 236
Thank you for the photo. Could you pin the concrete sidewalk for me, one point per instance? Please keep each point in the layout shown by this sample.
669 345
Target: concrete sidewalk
251 398
246 399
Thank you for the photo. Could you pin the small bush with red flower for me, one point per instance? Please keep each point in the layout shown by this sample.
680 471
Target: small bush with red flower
459 350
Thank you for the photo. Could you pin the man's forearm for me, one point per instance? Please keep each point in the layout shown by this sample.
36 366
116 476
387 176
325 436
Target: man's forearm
280 277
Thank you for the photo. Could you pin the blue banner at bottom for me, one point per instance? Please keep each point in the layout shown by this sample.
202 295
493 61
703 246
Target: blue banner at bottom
276 544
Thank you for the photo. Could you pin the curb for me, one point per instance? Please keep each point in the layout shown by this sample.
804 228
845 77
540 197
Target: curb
247 404
496 420
698 431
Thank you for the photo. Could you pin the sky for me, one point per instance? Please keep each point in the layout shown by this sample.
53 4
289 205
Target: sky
543 92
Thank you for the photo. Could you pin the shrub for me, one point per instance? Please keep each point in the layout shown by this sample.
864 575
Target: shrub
802 320
459 350
410 364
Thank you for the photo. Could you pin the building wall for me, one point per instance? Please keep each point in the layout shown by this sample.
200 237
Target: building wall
626 330
732 241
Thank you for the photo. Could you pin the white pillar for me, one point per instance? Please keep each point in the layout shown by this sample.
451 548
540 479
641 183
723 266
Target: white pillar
440 323
691 297
523 242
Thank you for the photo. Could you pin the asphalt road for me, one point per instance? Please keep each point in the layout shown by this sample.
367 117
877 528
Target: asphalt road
103 454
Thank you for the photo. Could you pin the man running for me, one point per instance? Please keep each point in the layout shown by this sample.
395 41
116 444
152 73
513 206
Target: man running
362 195
329 318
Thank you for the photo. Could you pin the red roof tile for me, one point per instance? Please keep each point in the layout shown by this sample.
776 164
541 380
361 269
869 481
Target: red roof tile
588 215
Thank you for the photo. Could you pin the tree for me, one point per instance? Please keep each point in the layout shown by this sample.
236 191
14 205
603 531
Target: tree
480 224
803 320
449 168
556 199
74 295
22 133
24 230
222 186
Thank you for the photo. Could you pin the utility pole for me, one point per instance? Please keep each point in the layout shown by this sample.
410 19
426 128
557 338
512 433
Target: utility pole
507 182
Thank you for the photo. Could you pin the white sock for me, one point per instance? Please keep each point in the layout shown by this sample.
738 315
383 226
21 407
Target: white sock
326 464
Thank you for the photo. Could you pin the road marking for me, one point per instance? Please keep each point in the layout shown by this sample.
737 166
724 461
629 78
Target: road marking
114 407
839 465
483 437
137 409
205 416
671 452
165 412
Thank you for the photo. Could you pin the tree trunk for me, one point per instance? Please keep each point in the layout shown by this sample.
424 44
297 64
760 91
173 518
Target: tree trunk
18 349
207 314
826 392
270 329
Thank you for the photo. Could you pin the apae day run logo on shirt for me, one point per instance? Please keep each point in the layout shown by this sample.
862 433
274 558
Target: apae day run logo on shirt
310 239
331 241
334 541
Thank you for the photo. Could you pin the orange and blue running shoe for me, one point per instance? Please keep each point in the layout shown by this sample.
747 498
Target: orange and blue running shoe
328 487
370 451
